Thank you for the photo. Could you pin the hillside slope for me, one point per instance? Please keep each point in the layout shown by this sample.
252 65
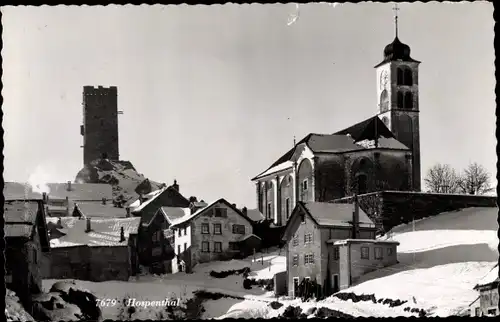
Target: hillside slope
127 183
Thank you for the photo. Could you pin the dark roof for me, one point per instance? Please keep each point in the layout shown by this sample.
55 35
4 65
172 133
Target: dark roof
255 215
79 191
397 51
97 209
331 214
367 130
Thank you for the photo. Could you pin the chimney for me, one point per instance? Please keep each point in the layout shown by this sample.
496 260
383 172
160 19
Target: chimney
89 228
122 234
128 212
244 211
234 205
103 200
175 185
355 219
69 185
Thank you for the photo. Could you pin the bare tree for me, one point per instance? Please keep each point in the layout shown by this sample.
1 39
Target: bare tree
442 178
475 180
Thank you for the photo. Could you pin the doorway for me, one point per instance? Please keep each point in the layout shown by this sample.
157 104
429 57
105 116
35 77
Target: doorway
295 286
335 283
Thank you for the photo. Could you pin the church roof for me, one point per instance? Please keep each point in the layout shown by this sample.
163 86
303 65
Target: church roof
357 137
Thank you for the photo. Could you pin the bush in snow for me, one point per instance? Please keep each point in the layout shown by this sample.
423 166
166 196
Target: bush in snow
324 312
275 305
225 274
267 284
293 312
309 289
247 284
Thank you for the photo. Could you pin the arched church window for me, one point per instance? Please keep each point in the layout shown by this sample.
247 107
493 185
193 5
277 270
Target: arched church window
289 180
400 76
408 103
362 183
400 100
407 77
384 101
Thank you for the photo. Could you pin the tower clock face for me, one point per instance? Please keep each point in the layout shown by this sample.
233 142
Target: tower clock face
384 79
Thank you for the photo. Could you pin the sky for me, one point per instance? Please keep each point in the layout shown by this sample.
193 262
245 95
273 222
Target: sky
213 95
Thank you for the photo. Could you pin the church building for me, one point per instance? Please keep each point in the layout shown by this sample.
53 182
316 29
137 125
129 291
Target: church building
380 153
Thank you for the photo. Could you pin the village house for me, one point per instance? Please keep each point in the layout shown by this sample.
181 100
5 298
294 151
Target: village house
215 232
26 239
377 154
103 209
147 205
332 244
487 302
93 249
157 239
61 197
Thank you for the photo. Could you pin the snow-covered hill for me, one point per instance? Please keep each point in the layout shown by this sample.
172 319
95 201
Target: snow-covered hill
121 175
441 259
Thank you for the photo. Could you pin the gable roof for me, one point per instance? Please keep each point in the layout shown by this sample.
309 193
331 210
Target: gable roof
137 207
21 217
97 209
326 214
255 215
354 138
79 191
104 232
170 214
190 217
489 280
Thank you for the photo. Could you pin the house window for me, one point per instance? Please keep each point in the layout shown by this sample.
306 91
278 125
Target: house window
239 229
336 253
295 260
217 229
218 247
204 228
205 247
308 238
287 207
269 214
220 212
309 259
180 232
492 312
378 253
178 249
295 241
365 253
185 231
185 246
389 251
478 311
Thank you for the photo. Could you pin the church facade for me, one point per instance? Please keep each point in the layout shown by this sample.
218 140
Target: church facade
380 153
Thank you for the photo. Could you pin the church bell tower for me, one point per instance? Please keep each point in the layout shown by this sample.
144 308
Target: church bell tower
397 96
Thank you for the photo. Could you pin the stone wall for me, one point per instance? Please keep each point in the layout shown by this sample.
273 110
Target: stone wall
392 208
96 263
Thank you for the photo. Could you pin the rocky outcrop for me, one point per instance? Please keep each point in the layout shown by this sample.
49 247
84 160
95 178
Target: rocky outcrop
127 183
14 310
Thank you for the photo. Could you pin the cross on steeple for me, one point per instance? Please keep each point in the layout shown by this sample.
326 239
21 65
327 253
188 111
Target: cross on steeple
396 9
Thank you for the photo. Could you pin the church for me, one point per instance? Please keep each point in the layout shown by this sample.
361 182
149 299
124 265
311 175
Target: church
380 153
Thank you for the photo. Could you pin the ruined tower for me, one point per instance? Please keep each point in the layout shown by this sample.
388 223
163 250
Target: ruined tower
100 123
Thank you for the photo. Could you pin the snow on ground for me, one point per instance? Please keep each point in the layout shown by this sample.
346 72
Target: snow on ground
440 259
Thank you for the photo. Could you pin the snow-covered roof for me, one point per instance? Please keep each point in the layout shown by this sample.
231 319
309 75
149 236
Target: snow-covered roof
255 215
332 214
363 241
78 191
97 209
489 278
137 206
104 231
280 167
171 214
248 236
